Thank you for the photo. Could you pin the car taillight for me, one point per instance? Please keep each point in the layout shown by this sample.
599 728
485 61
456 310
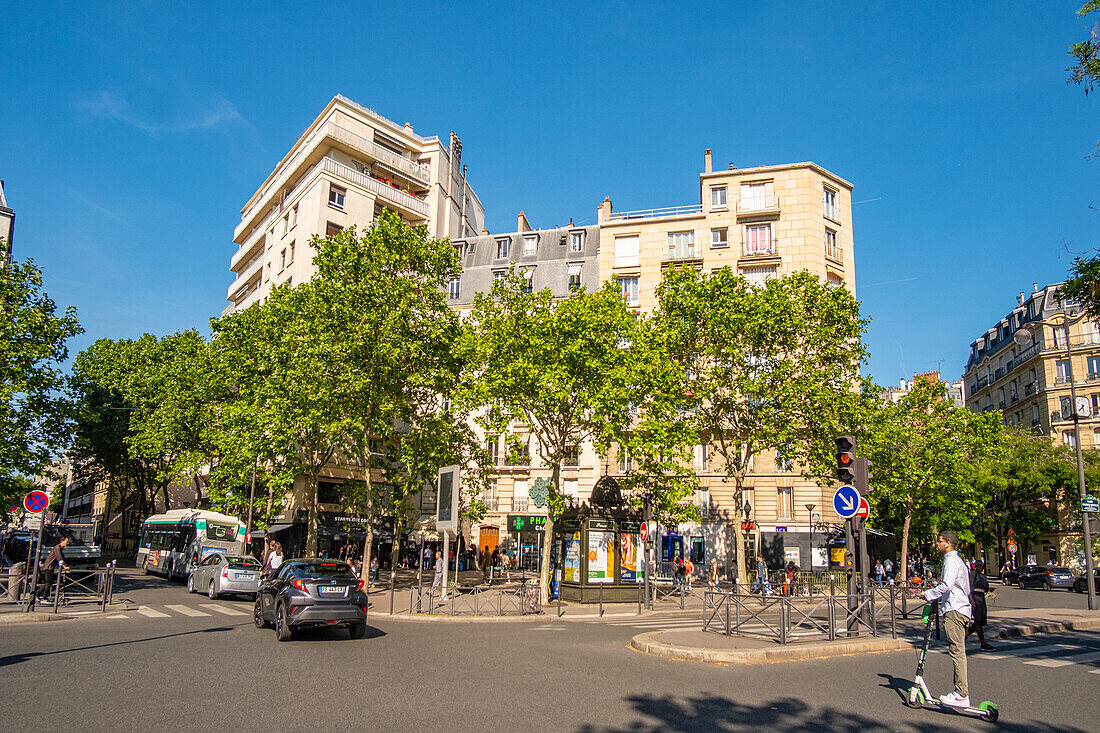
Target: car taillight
1049 572
359 585
299 585
225 572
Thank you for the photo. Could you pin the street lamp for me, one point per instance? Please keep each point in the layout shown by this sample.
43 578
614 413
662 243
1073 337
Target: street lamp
810 512
1023 338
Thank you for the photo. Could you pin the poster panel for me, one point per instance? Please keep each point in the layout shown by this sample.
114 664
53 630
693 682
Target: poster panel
601 556
630 553
572 564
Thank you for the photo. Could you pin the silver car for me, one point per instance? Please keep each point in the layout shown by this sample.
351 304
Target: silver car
220 574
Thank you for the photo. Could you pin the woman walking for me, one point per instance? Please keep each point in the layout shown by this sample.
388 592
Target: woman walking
979 585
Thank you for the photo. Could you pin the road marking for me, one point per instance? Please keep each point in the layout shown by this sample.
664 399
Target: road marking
116 616
80 613
1094 671
548 628
1026 651
224 609
187 610
151 613
1066 661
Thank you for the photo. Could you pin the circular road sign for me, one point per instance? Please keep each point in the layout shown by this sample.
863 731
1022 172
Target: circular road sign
644 531
36 502
864 508
846 501
1012 547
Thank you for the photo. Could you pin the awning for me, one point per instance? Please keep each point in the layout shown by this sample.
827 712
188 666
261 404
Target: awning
278 528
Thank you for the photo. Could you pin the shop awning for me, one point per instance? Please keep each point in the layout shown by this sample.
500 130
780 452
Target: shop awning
278 528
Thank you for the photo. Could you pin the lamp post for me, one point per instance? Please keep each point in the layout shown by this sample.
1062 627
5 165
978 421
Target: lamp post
1023 337
810 512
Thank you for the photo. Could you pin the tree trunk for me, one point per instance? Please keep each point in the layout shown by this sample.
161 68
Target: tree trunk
311 503
739 548
267 518
548 542
905 544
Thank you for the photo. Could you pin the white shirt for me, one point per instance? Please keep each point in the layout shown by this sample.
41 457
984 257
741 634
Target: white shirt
955 586
276 561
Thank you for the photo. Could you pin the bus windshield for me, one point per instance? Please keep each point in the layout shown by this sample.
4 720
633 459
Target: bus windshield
221 532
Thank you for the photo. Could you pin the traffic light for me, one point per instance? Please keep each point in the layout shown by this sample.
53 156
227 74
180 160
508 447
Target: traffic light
845 459
863 477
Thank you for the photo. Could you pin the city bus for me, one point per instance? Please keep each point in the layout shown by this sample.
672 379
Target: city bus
172 543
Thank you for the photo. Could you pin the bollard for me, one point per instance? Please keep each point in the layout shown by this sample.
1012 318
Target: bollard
641 592
784 615
893 616
681 597
559 600
392 575
57 588
601 600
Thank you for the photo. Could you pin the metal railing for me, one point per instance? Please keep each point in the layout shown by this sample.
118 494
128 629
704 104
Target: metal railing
785 619
657 213
384 190
758 205
519 599
93 586
403 165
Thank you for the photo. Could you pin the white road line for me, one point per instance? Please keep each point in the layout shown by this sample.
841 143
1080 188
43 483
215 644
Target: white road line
547 628
1020 651
224 609
1066 661
1094 671
151 613
80 613
116 616
186 610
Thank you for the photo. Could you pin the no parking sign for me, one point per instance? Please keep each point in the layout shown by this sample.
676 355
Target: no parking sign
36 502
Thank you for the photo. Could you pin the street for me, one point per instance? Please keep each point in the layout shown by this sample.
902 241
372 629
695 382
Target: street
181 661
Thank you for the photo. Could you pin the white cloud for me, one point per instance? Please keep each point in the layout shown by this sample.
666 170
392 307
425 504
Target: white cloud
110 104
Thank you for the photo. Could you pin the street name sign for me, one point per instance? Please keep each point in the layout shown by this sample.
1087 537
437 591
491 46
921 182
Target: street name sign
846 501
36 502
1090 504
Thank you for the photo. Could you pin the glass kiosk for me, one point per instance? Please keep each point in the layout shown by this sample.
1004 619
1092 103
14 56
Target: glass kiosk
600 549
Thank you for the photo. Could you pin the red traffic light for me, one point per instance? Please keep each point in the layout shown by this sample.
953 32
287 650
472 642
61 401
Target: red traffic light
845 458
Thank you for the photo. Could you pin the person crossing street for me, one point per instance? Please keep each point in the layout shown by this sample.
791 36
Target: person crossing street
953 593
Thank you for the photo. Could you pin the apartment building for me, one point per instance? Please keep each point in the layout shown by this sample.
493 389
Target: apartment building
7 227
348 165
763 222
1028 382
954 390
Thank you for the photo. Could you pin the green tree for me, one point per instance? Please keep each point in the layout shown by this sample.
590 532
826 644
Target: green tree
558 367
769 368
34 414
1086 70
924 449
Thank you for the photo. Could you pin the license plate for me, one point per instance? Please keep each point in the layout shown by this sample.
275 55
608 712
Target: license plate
331 590
242 576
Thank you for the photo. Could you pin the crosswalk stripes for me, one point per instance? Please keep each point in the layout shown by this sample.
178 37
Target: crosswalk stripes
1065 660
151 613
223 609
186 610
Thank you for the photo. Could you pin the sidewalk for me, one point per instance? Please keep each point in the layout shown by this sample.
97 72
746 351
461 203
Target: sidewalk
715 648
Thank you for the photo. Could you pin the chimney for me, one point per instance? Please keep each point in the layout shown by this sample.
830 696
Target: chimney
733 167
571 224
1035 287
604 211
1020 299
707 161
522 225
484 231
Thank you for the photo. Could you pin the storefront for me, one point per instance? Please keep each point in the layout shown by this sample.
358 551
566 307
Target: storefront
525 536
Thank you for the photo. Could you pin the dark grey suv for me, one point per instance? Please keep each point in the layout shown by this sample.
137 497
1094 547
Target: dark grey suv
311 592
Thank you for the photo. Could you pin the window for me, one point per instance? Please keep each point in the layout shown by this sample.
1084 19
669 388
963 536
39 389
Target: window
502 249
286 223
454 288
492 450
832 250
702 501
831 209
522 454
336 196
329 492
1095 403
1061 369
572 455
626 251
1094 367
282 260
719 237
1060 338
569 487
1014 390
759 275
1001 397
576 241
629 286
498 275
834 279
718 198
783 502
528 279
530 244
783 461
294 216
626 463
1034 414
702 457
574 277
758 239
757 196
520 495
489 495
267 272
681 245
1068 439
331 230
290 259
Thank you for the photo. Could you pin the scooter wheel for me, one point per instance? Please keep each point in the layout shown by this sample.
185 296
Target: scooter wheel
989 711
915 698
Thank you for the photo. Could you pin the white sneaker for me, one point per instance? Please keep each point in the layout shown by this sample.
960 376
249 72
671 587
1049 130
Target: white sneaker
955 700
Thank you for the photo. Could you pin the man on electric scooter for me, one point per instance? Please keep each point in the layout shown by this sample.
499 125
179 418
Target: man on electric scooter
953 592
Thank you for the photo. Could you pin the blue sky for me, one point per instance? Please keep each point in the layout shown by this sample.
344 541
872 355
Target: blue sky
131 133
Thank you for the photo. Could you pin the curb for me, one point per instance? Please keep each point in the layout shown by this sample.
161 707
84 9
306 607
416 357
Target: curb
649 644
434 619
35 617
1049 628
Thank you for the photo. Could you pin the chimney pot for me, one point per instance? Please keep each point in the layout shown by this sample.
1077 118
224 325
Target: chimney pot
708 161
1035 287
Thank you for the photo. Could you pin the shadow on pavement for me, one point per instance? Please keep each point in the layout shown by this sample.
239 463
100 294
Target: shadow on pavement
325 633
17 658
712 712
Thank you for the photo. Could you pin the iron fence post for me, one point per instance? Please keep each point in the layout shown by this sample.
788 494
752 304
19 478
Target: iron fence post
57 588
728 600
641 592
893 616
830 603
783 612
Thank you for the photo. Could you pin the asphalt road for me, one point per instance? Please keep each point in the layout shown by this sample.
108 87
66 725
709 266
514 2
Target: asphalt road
198 665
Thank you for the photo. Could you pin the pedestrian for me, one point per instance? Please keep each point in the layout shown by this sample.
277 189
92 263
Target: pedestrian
437 581
888 569
979 586
373 571
761 583
734 577
274 558
486 566
494 563
953 593
505 563
880 572
788 579
678 572
689 572
712 575
54 561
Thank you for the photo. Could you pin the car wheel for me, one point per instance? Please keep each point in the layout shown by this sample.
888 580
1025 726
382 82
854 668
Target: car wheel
357 630
1048 586
1021 584
190 583
283 631
258 615
210 591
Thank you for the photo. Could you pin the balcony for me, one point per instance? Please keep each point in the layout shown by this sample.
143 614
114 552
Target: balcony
983 382
245 275
408 168
384 191
832 211
999 373
758 206
682 252
834 253
519 504
669 211
1031 388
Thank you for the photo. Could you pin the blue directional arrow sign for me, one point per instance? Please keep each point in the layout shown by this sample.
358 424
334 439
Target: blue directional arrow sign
846 501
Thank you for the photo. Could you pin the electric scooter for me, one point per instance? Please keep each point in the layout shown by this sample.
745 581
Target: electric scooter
919 696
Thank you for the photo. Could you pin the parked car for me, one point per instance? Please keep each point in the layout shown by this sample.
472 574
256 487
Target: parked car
1079 584
1011 577
1047 577
220 574
309 592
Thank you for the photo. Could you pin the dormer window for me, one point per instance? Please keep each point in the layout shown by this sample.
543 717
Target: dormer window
502 249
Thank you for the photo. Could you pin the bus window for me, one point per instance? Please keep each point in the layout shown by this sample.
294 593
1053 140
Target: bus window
221 532
184 538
